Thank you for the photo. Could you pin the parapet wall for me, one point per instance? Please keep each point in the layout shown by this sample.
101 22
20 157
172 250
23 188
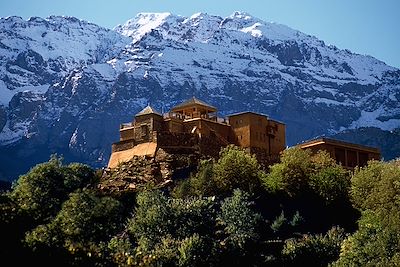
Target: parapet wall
123 145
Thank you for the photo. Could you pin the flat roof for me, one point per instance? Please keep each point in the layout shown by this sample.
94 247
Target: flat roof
255 113
330 141
247 112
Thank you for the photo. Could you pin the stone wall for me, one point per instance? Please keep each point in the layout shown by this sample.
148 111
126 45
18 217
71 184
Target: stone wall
211 146
123 145
168 139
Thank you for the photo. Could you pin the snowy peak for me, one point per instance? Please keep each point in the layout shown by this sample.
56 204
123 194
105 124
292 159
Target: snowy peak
200 27
55 36
142 24
239 20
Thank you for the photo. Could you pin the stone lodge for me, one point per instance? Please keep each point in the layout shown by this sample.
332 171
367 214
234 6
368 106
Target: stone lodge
193 127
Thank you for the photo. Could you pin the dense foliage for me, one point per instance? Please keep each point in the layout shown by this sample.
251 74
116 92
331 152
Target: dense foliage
305 210
376 193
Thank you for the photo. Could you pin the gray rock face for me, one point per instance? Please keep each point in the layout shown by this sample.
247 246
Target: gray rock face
66 84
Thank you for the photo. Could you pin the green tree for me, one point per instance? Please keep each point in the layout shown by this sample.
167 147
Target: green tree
301 172
235 168
200 184
240 235
171 231
373 244
313 250
375 191
329 180
84 221
292 174
238 220
41 191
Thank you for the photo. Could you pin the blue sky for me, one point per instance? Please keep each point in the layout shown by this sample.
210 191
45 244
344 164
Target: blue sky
363 26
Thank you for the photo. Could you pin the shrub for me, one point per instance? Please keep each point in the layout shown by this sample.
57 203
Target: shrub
313 250
41 191
84 221
238 220
234 169
172 231
373 244
375 192
300 172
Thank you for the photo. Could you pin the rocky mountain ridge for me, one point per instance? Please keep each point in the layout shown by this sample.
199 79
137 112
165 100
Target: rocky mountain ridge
66 84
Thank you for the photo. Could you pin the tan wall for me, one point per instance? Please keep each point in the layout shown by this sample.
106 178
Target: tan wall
258 131
144 149
168 139
241 128
222 130
254 131
278 140
173 126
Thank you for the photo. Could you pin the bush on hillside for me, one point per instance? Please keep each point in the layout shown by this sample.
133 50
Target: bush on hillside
235 168
375 192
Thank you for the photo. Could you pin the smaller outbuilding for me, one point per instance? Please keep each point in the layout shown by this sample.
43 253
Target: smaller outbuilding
349 155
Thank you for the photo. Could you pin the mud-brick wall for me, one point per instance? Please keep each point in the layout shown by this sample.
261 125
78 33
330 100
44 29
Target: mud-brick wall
123 145
210 146
167 139
127 133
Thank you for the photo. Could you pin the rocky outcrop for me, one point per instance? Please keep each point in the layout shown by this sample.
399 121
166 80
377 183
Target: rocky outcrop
162 170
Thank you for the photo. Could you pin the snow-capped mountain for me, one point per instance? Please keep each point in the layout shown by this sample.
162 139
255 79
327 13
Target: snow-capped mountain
66 84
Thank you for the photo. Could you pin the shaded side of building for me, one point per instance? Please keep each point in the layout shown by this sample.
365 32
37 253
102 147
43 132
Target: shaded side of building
347 154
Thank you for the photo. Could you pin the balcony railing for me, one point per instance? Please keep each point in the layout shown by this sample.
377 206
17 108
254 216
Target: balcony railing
126 125
183 117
